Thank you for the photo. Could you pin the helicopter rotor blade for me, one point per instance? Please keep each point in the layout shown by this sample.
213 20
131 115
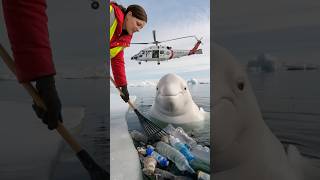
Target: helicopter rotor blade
144 43
158 42
177 38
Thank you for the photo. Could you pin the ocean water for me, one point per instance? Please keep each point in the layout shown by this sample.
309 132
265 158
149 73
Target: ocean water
145 97
290 105
90 94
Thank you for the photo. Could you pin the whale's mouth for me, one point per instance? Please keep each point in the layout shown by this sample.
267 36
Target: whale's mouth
171 103
221 99
171 95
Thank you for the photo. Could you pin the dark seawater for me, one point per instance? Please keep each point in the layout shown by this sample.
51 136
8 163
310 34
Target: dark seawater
290 104
94 137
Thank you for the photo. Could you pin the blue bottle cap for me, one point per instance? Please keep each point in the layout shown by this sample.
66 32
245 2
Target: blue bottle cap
149 151
164 163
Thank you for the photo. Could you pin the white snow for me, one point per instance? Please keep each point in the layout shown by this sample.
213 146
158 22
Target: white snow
28 149
124 160
145 83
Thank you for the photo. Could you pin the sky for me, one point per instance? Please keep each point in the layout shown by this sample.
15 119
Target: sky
77 35
172 19
286 29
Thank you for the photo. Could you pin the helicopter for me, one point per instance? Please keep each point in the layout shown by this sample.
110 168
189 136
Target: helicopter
161 53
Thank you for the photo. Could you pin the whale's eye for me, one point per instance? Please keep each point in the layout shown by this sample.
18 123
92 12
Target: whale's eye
185 88
157 88
241 85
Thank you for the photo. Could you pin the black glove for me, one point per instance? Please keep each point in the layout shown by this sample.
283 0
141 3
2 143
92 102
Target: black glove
48 93
125 93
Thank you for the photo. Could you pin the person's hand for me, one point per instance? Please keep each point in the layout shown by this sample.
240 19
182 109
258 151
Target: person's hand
48 93
125 93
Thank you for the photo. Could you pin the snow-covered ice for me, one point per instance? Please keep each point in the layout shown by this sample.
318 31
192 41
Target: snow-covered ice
124 160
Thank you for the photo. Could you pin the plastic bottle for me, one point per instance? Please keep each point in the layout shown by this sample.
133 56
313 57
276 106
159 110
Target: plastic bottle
174 155
175 142
149 165
180 134
188 140
195 163
201 152
160 159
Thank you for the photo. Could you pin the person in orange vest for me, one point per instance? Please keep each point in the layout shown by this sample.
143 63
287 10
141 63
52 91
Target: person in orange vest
123 23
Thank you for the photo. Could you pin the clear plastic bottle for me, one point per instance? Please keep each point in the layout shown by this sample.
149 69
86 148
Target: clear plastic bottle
201 152
180 134
175 142
160 159
195 163
174 155
187 139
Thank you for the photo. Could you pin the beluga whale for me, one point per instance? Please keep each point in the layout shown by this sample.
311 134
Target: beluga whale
244 148
174 104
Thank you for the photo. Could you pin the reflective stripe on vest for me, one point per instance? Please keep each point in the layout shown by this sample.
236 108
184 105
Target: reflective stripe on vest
114 51
113 25
113 22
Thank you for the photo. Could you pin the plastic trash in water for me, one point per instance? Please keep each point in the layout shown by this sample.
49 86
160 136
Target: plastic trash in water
175 156
165 139
141 150
201 152
175 142
180 134
195 163
149 165
138 136
160 159
203 176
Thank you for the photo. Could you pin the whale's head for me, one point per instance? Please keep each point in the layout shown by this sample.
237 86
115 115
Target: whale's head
172 95
173 102
235 110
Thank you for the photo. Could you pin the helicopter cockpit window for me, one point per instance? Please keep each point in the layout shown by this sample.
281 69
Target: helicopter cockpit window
162 52
155 54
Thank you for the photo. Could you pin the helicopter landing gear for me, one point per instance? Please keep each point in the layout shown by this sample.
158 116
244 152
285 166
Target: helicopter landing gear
94 4
139 62
158 63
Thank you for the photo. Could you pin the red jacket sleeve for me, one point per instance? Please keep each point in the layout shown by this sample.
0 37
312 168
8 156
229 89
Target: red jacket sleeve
26 22
118 69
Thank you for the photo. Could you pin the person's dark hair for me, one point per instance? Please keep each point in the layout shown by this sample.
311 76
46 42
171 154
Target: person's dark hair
137 11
